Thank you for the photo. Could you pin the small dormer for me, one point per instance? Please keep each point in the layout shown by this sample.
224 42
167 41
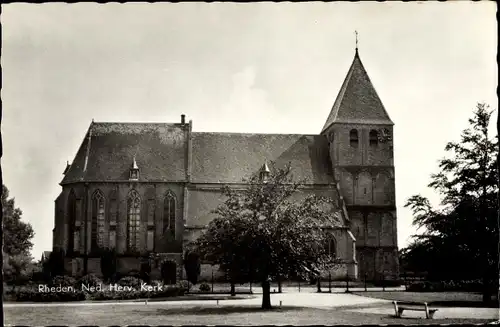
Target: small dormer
264 173
67 168
134 171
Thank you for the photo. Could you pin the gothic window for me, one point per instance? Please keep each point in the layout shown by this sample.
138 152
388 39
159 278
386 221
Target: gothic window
330 246
373 138
353 138
134 220
97 231
169 215
71 221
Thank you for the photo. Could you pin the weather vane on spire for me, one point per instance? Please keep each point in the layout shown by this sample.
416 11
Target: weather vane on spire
356 32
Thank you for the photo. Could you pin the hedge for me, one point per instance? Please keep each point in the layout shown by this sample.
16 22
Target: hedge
446 286
32 294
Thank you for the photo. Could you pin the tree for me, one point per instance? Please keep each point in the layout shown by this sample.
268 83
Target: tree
465 226
16 268
192 266
17 234
262 232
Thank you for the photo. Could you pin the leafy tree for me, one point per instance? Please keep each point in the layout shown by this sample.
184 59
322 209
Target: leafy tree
17 235
263 233
17 242
16 268
192 266
108 263
465 225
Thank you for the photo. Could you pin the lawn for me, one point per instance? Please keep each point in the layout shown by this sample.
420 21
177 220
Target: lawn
445 299
209 314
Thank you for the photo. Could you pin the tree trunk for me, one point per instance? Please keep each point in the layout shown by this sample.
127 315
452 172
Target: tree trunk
266 295
279 285
319 284
233 289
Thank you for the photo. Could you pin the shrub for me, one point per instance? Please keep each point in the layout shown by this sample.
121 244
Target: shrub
204 287
62 281
169 291
156 283
39 277
32 294
130 281
446 286
184 284
89 280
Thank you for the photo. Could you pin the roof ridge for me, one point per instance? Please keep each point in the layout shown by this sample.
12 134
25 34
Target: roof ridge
137 123
248 134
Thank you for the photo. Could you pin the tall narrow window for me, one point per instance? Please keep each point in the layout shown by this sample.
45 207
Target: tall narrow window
98 210
331 247
169 215
353 137
134 220
71 221
373 138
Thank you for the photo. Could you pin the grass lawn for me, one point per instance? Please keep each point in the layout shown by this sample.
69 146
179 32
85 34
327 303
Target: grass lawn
209 314
445 299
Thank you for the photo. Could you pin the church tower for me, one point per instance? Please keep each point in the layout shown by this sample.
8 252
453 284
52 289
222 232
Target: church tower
360 132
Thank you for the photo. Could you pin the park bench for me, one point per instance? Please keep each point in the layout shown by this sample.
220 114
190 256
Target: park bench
400 306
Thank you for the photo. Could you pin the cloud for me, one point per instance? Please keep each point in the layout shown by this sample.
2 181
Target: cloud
244 103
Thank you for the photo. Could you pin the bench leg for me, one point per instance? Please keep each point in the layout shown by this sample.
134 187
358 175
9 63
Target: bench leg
431 314
395 309
400 312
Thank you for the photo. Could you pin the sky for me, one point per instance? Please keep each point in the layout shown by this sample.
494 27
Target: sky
235 67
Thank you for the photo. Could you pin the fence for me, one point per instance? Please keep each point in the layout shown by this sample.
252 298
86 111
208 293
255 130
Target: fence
329 286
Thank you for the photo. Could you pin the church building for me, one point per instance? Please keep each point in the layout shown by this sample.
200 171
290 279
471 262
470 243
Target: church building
151 187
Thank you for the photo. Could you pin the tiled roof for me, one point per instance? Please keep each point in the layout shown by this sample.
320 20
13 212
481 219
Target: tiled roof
108 150
232 157
357 101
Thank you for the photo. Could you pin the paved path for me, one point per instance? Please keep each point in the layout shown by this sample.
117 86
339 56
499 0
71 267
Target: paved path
311 300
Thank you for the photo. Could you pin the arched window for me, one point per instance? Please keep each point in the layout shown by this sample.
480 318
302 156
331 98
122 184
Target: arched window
169 215
373 138
353 137
71 221
134 220
331 246
97 227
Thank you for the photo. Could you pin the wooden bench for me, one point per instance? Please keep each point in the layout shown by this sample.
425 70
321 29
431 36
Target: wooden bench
400 306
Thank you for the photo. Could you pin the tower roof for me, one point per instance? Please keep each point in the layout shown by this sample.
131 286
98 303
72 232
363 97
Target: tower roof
357 101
